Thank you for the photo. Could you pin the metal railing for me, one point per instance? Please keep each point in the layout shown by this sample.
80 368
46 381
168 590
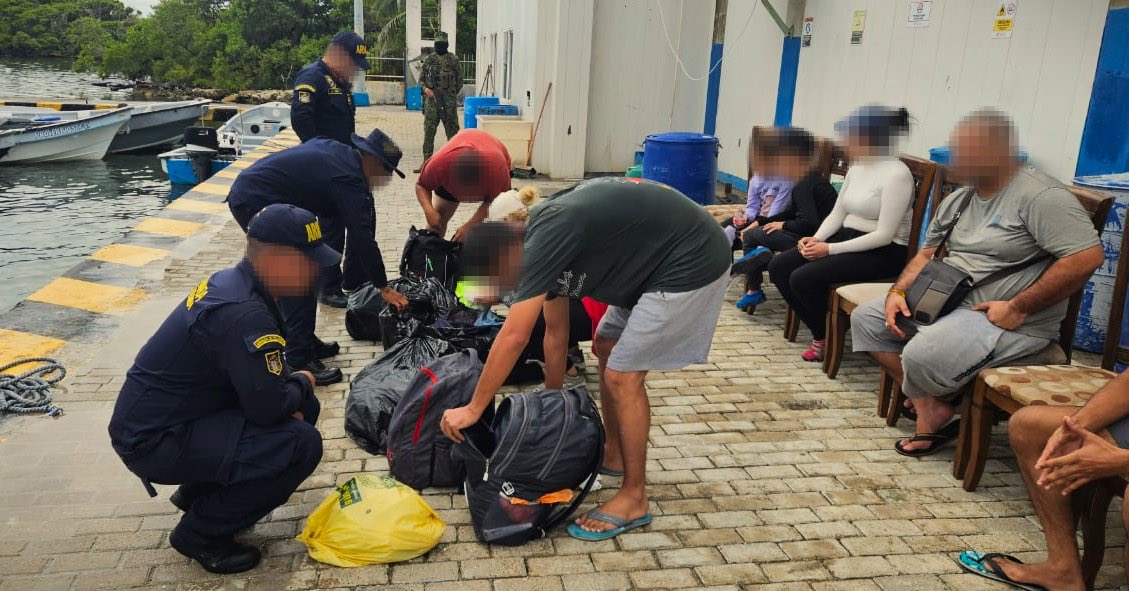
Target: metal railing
391 69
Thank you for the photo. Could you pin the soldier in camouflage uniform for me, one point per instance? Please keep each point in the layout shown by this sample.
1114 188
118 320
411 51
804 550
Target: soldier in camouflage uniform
441 79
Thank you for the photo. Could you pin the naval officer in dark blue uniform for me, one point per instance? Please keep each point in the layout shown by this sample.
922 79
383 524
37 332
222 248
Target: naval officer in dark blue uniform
210 403
335 182
322 104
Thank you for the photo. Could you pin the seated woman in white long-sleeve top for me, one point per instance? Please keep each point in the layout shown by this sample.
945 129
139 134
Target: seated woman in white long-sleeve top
865 236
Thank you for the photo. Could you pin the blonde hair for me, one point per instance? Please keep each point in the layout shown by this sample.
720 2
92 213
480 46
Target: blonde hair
514 206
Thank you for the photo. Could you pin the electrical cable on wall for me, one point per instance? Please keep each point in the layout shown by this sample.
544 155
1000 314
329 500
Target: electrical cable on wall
678 58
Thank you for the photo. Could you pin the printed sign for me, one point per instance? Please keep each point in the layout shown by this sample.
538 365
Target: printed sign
919 14
1005 19
858 23
805 39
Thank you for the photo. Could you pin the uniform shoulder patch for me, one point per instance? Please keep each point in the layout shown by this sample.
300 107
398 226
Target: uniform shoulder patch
306 87
304 96
197 293
265 342
274 362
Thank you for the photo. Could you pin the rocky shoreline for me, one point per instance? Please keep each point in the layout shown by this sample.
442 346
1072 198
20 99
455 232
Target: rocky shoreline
143 91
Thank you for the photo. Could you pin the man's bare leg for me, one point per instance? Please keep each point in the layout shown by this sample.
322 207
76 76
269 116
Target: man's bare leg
891 362
627 393
446 211
1029 429
613 454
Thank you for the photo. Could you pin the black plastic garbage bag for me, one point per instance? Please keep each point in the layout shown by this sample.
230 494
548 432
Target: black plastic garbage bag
427 300
373 394
397 326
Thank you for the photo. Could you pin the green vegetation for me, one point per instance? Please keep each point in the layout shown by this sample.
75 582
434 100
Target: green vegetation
79 29
226 44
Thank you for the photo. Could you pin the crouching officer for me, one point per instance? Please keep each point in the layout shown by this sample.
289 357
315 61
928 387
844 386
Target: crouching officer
210 404
335 182
322 104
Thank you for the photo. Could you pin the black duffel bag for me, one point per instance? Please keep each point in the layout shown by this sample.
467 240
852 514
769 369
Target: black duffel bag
427 254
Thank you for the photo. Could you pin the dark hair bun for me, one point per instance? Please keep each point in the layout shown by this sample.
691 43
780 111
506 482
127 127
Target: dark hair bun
899 121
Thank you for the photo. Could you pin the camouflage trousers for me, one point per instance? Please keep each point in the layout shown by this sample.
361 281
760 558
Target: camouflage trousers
441 108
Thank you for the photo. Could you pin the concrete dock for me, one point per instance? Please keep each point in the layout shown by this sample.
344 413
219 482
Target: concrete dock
763 473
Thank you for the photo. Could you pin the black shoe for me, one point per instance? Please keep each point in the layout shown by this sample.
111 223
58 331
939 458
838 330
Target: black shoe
223 556
186 495
323 349
334 299
323 374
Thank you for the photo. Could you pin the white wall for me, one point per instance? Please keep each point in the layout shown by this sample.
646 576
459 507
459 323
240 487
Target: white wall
1042 76
637 87
750 74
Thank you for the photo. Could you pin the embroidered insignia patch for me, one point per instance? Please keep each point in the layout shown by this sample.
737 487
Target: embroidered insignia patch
304 97
269 338
274 362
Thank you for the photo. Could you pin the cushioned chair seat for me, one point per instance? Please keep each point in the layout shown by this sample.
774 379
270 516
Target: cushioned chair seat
1052 385
861 293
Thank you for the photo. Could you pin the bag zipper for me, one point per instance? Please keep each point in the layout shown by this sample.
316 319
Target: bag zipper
564 433
505 462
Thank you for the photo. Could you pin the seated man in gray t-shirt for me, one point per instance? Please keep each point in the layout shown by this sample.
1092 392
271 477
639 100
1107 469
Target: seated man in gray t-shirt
1014 216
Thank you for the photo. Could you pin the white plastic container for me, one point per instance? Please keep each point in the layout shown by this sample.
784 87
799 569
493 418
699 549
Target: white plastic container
513 131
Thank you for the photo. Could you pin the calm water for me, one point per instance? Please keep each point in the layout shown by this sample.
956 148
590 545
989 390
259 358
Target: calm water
53 215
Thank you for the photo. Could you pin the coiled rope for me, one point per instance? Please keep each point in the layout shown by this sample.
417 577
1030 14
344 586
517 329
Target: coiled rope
32 390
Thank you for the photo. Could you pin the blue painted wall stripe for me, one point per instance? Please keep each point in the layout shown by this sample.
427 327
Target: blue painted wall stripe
1105 139
786 90
713 89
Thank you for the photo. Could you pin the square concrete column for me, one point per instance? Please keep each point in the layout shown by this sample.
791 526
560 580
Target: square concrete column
413 25
448 16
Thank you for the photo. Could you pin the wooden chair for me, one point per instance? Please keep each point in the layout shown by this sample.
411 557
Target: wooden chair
844 299
999 392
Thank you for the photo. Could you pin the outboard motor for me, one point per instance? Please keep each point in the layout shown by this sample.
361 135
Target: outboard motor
201 144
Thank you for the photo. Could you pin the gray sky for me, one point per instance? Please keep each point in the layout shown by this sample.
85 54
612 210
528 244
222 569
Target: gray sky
143 5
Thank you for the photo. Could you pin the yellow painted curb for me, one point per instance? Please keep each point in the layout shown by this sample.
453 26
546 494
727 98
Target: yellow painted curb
239 164
212 189
224 174
129 254
251 156
168 227
85 295
16 345
194 206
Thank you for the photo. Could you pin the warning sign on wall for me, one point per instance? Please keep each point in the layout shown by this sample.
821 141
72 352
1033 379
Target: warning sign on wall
805 36
919 14
858 23
1005 19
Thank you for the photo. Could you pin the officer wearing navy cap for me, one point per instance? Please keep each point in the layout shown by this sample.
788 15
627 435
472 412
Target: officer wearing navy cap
335 182
322 104
210 404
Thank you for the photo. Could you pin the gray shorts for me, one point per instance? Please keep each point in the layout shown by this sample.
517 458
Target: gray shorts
664 330
940 358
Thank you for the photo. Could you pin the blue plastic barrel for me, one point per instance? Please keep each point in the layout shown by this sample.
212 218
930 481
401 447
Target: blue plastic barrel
685 161
470 109
507 110
1097 297
413 98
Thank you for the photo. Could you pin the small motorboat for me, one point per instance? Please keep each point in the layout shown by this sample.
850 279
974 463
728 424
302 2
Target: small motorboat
151 125
53 139
205 154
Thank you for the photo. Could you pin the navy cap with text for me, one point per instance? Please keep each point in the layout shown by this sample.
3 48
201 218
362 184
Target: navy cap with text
287 225
355 45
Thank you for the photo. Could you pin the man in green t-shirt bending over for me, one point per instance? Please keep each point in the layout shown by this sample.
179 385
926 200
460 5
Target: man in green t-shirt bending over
662 264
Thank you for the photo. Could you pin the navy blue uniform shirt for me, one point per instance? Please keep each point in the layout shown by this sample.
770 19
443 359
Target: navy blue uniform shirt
324 177
322 105
220 349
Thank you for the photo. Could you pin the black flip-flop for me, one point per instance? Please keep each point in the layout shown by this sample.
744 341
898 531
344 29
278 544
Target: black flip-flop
609 472
909 413
986 565
937 440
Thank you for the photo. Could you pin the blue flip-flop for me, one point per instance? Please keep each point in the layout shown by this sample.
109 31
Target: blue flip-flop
621 525
985 565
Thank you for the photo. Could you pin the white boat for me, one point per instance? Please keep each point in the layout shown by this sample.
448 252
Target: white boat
240 134
87 137
251 127
152 124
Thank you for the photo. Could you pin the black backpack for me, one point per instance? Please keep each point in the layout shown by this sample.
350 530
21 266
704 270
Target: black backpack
539 443
419 454
427 254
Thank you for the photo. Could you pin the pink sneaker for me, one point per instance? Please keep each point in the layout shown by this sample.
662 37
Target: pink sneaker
815 352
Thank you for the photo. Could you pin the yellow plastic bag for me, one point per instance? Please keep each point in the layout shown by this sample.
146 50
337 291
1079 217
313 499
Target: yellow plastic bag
370 520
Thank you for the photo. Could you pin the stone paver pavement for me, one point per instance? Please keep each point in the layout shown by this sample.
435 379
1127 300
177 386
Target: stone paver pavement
763 473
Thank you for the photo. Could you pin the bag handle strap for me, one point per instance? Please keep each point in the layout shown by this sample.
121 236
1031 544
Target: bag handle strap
938 254
560 515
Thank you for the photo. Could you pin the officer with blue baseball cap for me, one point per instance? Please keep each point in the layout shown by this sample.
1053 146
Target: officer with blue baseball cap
322 104
334 181
210 403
